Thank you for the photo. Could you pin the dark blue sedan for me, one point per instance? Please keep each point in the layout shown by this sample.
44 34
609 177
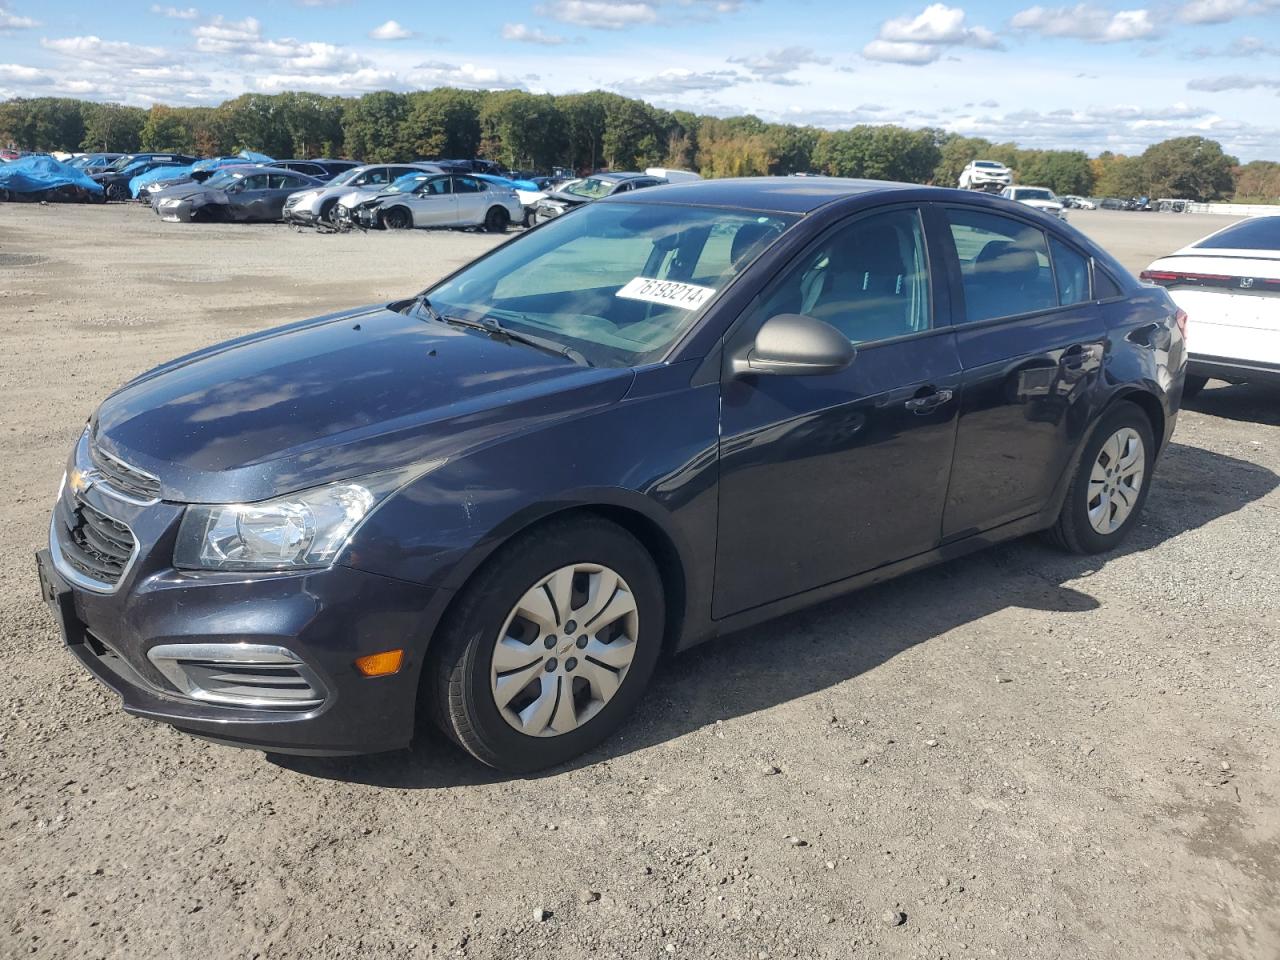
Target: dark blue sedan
659 419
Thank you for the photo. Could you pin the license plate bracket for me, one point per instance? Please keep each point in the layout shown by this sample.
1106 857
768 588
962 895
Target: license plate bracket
59 598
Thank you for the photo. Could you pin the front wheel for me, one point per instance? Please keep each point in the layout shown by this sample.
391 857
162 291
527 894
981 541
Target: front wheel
117 191
1111 482
550 645
397 218
497 220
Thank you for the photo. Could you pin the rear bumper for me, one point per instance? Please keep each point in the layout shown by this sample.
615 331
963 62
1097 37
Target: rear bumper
1233 370
326 619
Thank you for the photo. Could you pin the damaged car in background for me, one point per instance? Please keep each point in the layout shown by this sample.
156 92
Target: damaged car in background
1037 198
116 178
989 175
436 200
318 204
250 193
593 187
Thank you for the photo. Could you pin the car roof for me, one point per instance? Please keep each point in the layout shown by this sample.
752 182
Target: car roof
779 194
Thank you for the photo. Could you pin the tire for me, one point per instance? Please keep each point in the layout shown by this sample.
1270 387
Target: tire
397 218
488 617
326 210
1192 386
1076 529
117 191
496 220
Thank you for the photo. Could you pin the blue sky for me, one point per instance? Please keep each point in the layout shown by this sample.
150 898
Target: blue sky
1085 76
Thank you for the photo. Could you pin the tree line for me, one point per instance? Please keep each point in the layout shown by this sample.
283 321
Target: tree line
590 131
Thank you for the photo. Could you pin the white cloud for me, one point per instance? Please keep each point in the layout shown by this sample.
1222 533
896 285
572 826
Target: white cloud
11 21
468 75
1224 11
600 14
364 80
676 81
1233 82
925 37
522 34
391 30
102 52
1239 47
176 13
780 63
18 73
1087 22
244 39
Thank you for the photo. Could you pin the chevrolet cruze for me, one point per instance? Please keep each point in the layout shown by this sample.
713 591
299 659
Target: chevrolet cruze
666 416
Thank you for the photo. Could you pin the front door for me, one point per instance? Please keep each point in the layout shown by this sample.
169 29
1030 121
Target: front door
1031 343
433 203
825 477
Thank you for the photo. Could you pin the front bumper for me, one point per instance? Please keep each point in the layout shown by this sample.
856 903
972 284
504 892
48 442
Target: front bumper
317 621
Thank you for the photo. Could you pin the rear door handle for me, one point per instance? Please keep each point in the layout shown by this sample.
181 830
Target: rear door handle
930 401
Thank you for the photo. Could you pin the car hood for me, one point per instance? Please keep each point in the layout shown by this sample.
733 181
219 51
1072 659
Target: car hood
1042 204
336 397
569 198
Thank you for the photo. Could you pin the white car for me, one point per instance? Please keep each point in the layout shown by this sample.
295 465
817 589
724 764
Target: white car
1041 198
989 175
319 203
1078 203
1229 286
439 200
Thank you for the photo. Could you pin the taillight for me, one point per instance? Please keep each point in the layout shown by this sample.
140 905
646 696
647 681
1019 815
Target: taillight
1166 277
1180 318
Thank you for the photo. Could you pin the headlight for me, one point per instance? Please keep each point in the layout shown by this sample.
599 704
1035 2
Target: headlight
304 530
170 202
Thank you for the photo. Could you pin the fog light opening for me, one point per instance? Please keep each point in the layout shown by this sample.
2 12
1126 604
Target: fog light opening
380 664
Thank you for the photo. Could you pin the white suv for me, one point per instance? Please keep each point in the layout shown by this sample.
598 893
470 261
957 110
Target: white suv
1041 198
988 175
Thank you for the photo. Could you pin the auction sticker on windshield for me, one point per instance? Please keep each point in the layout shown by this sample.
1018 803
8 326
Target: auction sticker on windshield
687 296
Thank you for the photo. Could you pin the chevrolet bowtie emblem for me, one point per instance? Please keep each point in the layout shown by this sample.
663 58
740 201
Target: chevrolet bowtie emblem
81 480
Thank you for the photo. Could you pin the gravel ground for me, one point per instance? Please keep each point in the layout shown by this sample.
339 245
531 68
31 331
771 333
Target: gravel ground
1018 754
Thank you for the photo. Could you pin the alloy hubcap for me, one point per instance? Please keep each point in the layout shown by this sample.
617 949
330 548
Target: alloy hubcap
564 650
1116 480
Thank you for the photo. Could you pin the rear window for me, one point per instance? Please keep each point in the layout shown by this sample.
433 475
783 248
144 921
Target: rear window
1258 233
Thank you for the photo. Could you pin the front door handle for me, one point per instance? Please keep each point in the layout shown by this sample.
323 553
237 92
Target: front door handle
930 401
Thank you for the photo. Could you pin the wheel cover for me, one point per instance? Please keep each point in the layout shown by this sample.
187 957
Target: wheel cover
564 650
1116 480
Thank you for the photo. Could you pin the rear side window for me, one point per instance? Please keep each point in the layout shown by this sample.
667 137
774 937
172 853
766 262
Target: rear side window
1258 233
1004 264
467 185
1071 271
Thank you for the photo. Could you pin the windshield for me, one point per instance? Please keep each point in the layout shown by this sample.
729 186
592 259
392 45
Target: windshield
592 188
1032 194
1257 233
587 281
408 183
121 162
346 176
988 164
222 179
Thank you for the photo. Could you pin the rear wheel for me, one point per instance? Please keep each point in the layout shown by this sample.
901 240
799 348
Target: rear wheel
550 646
397 218
1111 483
1192 387
497 220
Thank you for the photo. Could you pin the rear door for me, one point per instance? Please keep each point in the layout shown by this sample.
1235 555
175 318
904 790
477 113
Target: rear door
1031 342
825 477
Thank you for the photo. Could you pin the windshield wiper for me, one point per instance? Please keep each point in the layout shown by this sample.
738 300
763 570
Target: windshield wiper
495 329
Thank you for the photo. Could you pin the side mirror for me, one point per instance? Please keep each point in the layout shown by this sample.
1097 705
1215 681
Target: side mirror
792 344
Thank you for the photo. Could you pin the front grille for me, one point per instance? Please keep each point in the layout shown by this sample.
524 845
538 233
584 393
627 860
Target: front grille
128 480
92 543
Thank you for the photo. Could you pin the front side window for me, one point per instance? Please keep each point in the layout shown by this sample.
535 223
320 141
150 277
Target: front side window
377 175
1004 264
435 187
256 182
618 282
869 280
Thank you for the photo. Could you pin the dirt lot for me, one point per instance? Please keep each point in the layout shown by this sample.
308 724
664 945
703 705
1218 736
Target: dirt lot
1026 754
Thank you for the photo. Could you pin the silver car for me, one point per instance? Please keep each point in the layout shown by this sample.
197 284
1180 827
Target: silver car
312 206
444 200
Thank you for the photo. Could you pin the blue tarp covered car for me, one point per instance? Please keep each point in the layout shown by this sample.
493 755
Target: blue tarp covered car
44 178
